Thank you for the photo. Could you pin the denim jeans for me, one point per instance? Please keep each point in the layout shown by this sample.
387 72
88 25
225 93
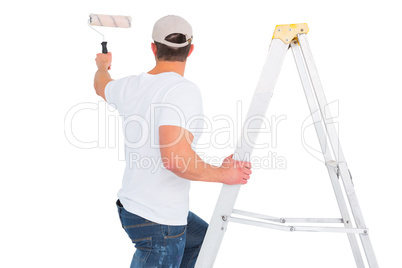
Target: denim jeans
161 246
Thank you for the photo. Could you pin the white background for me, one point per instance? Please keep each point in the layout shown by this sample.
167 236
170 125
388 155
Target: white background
57 200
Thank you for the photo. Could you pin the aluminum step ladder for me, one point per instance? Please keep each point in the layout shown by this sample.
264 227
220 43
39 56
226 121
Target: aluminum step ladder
293 36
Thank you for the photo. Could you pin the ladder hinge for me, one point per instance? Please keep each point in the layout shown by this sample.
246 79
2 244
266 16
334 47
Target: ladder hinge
288 32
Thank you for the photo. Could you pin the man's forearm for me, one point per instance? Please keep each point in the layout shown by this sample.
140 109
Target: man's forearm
102 78
192 167
179 158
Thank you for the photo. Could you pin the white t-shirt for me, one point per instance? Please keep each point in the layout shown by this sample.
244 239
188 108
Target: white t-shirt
146 102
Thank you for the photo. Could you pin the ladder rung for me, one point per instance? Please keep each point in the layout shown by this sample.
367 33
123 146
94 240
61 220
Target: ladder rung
313 220
297 228
283 220
331 229
255 215
259 224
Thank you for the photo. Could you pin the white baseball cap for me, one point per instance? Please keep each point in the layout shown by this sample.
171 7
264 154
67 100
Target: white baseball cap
169 25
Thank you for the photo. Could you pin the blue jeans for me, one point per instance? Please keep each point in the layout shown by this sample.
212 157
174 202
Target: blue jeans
161 246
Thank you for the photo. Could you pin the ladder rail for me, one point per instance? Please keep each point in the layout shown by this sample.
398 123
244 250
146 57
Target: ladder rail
336 148
325 148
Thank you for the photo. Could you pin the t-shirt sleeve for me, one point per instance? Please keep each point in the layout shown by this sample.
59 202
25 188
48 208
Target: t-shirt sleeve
115 89
109 92
182 106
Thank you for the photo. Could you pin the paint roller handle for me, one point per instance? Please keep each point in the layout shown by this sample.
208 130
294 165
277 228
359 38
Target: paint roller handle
104 47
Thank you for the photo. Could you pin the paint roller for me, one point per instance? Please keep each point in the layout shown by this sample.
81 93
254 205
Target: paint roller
108 21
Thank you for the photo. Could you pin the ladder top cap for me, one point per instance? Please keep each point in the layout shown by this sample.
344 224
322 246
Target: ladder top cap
288 32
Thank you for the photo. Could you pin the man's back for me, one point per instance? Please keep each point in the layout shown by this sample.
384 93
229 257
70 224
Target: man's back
146 102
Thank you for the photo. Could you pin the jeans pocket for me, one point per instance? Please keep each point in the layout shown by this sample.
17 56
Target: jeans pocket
141 237
172 231
138 229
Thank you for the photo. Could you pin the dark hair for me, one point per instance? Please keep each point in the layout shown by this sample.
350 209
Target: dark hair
166 53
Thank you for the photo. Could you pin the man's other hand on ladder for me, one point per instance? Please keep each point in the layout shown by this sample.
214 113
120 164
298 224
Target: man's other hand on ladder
235 172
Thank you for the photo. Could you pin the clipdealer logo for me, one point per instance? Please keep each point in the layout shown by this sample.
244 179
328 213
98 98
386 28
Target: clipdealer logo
134 131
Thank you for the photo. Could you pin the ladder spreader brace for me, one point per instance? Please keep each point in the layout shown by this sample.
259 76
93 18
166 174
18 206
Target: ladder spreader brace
293 36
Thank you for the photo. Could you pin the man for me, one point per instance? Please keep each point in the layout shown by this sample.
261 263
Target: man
161 111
